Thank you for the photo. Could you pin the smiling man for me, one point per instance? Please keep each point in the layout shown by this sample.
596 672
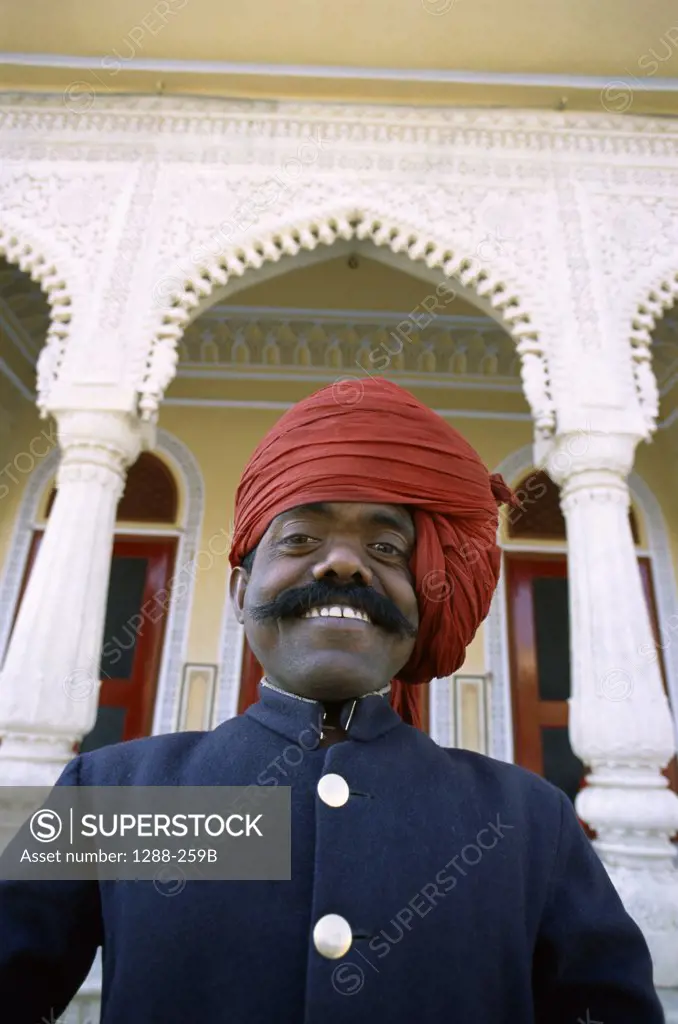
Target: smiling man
328 598
427 885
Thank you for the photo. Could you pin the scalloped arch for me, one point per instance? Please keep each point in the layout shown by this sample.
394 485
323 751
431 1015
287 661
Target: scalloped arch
655 301
363 225
45 265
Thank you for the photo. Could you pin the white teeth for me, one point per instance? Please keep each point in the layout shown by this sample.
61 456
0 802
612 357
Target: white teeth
336 612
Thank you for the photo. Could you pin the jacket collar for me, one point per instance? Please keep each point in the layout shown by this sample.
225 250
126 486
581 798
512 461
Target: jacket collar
300 719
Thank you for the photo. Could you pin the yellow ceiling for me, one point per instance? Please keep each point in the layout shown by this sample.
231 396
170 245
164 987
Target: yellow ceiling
608 38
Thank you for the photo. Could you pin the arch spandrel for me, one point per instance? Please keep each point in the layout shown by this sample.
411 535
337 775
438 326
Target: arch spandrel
181 298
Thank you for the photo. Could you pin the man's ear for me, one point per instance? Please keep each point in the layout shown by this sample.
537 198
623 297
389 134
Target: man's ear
237 586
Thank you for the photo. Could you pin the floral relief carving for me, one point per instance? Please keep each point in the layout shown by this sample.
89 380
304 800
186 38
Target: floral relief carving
633 230
638 230
72 208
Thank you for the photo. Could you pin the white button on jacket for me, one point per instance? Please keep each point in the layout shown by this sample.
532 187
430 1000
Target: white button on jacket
332 936
333 790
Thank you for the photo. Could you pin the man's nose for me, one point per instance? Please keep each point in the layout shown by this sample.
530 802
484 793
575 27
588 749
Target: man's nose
345 563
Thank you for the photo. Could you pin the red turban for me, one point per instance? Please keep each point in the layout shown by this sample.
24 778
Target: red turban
372 441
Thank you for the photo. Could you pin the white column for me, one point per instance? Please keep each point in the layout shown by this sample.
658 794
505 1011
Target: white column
49 684
620 721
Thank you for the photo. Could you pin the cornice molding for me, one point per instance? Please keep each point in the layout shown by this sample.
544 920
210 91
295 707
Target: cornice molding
161 118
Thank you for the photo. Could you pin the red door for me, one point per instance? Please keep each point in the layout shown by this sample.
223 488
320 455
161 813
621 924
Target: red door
136 614
540 666
540 669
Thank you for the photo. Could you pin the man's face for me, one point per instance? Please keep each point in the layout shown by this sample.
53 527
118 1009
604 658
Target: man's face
314 568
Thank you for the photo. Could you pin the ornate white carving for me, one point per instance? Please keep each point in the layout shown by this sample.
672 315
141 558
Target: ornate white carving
650 309
638 228
73 206
28 121
46 262
39 723
549 207
82 209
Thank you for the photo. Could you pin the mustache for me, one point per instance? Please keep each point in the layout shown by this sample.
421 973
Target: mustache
294 602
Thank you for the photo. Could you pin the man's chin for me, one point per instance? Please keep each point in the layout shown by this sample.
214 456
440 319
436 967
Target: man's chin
332 679
334 694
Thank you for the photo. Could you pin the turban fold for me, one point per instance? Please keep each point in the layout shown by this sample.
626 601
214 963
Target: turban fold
372 441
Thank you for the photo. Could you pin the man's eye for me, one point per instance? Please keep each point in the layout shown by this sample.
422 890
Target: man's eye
297 538
387 549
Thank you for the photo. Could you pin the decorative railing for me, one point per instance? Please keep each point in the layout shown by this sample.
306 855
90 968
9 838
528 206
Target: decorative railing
461 346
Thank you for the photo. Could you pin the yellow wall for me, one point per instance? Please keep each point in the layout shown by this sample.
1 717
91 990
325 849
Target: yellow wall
656 464
333 284
22 448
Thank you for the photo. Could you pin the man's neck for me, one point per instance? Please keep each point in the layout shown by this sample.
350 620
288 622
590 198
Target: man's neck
332 729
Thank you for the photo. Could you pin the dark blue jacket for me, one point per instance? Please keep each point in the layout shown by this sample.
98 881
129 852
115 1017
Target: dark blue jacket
472 894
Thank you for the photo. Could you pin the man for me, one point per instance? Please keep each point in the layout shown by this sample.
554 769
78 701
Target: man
428 885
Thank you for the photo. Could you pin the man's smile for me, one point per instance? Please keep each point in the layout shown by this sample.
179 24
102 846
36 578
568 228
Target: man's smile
337 606
338 612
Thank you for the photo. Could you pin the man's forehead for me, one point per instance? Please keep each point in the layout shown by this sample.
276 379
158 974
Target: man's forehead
369 513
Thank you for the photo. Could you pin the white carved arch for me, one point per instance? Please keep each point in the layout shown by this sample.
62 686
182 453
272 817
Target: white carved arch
513 469
471 271
653 302
49 267
189 479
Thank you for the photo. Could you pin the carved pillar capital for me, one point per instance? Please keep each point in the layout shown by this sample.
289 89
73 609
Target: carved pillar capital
105 440
588 458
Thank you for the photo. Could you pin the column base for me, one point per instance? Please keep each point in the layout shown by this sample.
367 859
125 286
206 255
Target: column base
651 898
32 759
